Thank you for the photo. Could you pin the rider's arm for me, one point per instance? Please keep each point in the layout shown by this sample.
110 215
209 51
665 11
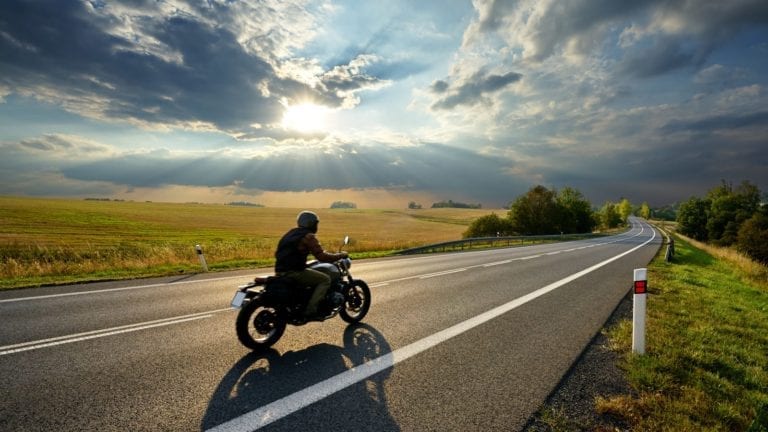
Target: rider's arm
311 244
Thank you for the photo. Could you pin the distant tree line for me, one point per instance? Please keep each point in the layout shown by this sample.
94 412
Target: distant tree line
104 199
343 205
667 212
452 204
245 204
728 216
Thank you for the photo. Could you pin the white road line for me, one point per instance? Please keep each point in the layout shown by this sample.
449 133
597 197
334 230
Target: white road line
529 257
442 273
425 276
60 340
281 408
118 289
497 263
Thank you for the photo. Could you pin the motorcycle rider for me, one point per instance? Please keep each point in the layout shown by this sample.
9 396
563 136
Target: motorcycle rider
291 259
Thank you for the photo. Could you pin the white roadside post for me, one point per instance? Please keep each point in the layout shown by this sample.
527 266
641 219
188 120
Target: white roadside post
202 257
638 311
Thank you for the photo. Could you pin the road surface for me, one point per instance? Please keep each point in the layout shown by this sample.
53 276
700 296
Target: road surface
459 341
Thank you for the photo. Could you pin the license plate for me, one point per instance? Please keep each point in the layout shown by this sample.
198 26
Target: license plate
238 300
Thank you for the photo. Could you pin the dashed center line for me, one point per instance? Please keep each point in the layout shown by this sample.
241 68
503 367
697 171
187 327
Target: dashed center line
61 340
442 273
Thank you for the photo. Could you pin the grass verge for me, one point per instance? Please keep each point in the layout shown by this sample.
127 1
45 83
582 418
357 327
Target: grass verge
706 361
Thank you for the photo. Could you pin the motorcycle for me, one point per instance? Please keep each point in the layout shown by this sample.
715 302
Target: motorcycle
268 304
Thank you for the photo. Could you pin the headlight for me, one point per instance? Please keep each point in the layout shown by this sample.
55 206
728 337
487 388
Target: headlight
347 262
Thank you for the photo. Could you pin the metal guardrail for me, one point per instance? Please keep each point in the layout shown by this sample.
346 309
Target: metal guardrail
670 253
670 250
490 242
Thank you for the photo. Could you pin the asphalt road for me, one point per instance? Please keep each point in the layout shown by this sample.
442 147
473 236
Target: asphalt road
461 341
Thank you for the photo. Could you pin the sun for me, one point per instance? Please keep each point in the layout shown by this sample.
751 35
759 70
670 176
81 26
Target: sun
306 118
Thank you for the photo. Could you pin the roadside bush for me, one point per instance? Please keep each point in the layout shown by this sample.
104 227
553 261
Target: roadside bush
487 226
753 237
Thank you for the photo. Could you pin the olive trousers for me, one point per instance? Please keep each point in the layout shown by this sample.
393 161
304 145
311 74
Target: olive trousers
320 281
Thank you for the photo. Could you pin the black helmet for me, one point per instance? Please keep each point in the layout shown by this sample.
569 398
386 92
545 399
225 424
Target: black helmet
307 219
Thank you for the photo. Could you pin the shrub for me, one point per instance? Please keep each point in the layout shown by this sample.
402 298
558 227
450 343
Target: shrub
753 237
487 226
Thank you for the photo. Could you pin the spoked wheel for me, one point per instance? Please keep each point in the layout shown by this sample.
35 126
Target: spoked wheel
259 326
357 301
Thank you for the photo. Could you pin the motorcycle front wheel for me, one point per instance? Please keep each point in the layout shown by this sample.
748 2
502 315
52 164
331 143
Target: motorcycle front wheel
357 301
259 326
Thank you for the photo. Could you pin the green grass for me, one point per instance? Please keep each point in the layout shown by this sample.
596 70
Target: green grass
50 241
706 361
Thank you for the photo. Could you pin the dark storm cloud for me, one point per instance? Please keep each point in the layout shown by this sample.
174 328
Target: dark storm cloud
721 122
438 168
172 69
667 54
670 173
472 90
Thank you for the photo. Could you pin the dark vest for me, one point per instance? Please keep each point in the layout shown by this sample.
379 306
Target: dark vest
288 256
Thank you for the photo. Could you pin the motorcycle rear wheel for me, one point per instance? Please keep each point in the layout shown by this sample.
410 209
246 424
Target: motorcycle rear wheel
357 301
259 326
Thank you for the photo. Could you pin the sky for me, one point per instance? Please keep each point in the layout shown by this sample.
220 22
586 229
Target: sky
381 103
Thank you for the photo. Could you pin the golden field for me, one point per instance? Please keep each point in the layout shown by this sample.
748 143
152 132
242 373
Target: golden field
57 240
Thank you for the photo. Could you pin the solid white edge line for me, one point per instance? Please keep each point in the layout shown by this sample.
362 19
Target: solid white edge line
280 408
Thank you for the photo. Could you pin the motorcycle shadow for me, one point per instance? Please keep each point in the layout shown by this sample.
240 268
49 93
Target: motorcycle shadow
258 379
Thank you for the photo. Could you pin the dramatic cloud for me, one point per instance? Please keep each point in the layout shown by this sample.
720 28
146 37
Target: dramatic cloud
471 90
164 64
64 146
646 99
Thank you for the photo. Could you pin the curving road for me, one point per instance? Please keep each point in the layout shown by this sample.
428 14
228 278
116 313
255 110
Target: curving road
463 341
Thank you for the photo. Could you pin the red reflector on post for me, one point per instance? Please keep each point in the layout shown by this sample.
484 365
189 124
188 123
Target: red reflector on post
641 287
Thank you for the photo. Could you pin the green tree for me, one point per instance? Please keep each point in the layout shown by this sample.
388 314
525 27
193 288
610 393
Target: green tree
575 212
535 213
645 211
488 226
729 209
692 218
609 215
624 209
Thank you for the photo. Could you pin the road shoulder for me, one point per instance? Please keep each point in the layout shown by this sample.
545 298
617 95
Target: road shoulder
571 406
